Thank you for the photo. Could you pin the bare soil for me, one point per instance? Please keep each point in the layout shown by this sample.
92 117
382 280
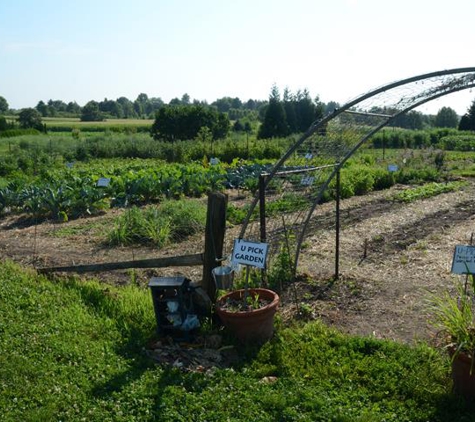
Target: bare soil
392 255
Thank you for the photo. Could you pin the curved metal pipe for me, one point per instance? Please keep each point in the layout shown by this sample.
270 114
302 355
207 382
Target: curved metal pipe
351 152
321 123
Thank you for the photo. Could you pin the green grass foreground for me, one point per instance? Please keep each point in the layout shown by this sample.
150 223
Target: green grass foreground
73 350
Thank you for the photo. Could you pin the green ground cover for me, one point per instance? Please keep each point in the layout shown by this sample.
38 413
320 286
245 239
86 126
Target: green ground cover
75 350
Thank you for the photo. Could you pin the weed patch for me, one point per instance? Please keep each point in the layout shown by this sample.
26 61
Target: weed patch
172 221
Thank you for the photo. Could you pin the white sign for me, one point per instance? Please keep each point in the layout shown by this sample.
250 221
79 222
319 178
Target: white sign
464 260
249 253
307 181
103 182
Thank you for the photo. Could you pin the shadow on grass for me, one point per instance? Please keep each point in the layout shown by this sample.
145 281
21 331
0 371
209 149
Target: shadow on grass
135 336
453 408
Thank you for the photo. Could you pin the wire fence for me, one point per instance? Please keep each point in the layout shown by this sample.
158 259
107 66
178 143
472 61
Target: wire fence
305 175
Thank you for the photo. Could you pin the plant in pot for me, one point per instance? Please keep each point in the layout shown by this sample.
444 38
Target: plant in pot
453 314
249 312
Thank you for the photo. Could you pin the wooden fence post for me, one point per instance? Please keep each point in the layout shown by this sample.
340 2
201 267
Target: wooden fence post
214 239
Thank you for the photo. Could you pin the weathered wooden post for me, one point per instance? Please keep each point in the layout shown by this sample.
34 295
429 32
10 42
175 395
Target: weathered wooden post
214 239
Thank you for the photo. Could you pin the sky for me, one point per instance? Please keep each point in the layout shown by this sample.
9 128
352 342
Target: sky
86 50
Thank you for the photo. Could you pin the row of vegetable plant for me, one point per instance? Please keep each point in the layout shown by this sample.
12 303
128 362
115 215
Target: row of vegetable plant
70 191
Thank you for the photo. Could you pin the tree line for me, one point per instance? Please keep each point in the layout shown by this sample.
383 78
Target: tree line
143 107
182 118
293 114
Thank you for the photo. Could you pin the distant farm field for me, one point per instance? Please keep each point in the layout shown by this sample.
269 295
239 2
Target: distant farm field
67 124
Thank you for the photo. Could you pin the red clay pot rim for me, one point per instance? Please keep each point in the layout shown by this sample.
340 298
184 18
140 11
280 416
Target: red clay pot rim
273 304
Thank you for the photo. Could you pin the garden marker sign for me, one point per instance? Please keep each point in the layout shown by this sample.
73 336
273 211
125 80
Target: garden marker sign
464 260
253 254
103 182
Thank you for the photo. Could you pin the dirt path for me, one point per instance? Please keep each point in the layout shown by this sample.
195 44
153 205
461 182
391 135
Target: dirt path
409 251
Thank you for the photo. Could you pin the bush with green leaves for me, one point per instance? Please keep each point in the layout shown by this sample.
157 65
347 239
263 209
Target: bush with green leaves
458 142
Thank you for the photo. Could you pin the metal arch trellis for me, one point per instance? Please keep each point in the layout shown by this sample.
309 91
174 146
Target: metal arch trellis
340 134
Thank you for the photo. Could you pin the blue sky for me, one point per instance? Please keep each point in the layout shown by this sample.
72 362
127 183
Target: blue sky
337 49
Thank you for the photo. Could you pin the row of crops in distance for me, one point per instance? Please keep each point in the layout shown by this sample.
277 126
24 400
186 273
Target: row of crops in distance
71 192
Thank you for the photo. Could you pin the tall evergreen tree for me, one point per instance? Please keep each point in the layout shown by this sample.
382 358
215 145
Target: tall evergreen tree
275 122
467 122
289 108
305 110
3 105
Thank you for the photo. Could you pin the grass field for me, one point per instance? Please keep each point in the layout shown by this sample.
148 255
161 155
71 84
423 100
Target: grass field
71 121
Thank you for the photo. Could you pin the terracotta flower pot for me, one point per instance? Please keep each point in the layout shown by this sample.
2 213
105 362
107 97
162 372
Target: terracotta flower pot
464 381
253 325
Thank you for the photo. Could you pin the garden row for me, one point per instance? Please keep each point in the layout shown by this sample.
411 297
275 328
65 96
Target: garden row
446 139
81 190
29 153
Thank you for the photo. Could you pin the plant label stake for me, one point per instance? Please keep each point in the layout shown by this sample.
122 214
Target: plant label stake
464 260
103 182
307 181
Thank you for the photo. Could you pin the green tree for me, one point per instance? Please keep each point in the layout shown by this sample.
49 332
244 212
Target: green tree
111 108
185 99
42 108
153 105
275 122
175 102
30 118
142 105
73 108
221 126
290 110
3 105
91 112
306 111
127 107
3 123
446 117
467 122
223 104
238 126
175 122
58 106
331 106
